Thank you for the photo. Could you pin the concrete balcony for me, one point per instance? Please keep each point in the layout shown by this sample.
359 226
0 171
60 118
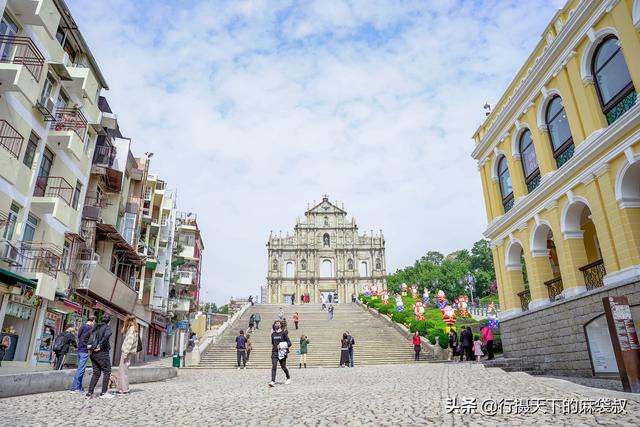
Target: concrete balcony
53 195
109 287
21 66
184 277
42 13
12 169
109 120
83 83
180 304
68 131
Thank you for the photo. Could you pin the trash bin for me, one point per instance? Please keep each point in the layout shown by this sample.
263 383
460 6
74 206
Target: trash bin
176 360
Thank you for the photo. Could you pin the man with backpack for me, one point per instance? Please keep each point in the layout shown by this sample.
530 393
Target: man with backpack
98 346
83 354
61 346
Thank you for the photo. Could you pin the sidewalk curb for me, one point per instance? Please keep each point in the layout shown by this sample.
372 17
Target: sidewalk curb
24 383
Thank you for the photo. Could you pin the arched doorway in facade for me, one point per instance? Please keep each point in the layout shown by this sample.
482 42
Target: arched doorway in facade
517 274
545 270
578 226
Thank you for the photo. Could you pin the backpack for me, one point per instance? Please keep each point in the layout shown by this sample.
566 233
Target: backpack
93 340
59 342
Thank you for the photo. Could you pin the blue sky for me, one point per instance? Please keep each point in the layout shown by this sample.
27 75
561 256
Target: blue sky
255 108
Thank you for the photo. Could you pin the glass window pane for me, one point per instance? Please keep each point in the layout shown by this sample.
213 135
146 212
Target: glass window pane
529 161
554 108
505 184
605 51
613 78
559 130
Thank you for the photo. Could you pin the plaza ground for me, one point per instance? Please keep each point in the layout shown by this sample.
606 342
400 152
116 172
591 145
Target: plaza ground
371 395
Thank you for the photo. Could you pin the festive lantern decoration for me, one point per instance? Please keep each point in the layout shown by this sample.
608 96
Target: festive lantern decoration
449 315
374 292
418 310
399 303
414 291
463 305
384 295
425 296
403 288
366 291
441 297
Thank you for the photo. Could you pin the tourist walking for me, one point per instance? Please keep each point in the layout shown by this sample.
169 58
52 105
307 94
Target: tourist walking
83 354
296 319
477 348
344 351
280 344
251 299
466 343
252 323
353 298
257 318
487 340
330 311
129 348
453 344
61 346
4 345
241 349
98 345
304 348
352 342
248 346
281 314
417 345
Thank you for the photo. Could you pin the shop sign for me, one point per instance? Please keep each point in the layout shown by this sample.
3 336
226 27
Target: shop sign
20 311
27 297
158 320
624 339
51 319
182 325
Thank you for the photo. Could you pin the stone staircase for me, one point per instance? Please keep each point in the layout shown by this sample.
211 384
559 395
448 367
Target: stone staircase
377 342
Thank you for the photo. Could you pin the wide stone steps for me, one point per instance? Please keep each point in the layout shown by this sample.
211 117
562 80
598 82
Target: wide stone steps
377 342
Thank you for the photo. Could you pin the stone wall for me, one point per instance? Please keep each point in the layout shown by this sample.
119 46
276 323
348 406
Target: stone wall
552 337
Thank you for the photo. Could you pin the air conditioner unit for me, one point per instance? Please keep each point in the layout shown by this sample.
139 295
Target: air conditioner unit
91 212
9 253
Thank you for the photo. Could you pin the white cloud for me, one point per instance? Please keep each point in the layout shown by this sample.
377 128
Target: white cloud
254 108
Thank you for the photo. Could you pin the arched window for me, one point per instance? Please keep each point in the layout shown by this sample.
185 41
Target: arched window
364 269
613 82
559 131
349 264
326 221
303 265
326 240
504 179
529 160
326 268
289 270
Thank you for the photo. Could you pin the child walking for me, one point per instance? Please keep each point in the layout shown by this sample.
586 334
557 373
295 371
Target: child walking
477 347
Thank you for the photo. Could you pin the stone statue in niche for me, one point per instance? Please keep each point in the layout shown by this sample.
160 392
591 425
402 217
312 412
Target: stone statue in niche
326 240
326 221
275 264
303 264
378 265
350 264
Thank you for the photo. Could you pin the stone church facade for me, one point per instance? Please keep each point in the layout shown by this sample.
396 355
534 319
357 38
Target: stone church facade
325 258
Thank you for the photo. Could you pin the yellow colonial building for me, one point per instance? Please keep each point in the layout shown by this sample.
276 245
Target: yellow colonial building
559 160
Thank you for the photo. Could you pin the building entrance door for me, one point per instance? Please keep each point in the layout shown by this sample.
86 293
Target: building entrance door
328 297
288 299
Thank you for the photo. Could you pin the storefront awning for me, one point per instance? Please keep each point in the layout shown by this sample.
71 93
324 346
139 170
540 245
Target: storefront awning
109 232
11 278
110 311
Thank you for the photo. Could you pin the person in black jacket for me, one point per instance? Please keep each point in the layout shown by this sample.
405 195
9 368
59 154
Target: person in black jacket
280 344
61 347
466 343
99 347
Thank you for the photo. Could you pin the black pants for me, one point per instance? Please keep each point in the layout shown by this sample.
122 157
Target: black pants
274 365
101 365
490 349
60 358
466 350
416 348
241 354
257 324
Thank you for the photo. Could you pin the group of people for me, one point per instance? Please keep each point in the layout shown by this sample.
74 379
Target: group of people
346 350
469 345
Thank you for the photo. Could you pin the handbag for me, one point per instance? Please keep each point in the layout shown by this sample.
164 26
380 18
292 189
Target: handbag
139 347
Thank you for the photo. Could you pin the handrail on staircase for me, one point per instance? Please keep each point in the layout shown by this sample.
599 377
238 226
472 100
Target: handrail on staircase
211 337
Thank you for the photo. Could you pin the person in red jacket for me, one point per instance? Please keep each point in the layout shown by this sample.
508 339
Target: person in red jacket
417 344
296 319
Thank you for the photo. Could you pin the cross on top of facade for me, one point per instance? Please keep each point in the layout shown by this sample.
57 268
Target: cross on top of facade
325 197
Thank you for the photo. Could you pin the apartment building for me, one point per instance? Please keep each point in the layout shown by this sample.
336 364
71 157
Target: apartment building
559 160
49 89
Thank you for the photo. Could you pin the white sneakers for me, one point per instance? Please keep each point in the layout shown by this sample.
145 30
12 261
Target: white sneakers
272 384
287 382
107 396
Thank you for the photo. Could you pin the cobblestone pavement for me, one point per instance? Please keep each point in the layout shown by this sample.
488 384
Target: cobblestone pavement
382 395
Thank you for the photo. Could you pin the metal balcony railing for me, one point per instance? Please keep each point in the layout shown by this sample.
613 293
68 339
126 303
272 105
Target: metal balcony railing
10 139
525 298
53 186
104 155
71 119
554 288
22 50
594 274
39 257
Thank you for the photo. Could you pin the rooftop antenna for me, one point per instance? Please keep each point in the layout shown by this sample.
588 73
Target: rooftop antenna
487 108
